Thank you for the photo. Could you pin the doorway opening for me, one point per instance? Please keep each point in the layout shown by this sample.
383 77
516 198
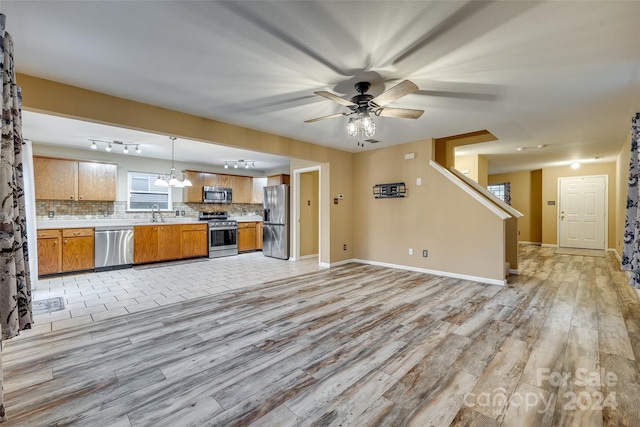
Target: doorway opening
307 213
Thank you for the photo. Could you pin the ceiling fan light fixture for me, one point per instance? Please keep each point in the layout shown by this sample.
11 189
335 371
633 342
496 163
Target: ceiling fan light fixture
370 130
352 127
161 182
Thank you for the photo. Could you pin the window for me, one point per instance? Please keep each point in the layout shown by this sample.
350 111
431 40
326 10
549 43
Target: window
501 191
143 194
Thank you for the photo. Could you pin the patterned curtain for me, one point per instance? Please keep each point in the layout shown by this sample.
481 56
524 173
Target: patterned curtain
631 249
15 281
507 193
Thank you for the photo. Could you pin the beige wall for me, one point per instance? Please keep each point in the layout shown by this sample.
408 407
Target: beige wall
526 197
550 193
435 216
477 165
309 220
54 98
622 184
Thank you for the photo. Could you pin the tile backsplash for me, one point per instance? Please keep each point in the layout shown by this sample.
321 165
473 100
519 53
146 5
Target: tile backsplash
63 209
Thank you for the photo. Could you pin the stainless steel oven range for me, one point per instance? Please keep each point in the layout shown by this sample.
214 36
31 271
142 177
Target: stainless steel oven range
223 234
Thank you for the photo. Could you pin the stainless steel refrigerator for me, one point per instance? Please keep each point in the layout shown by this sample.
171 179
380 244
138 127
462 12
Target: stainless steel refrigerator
275 230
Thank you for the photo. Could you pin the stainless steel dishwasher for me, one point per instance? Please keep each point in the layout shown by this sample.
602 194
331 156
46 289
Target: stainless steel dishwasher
113 247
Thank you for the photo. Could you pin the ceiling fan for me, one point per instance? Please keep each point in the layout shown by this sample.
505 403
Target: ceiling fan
363 104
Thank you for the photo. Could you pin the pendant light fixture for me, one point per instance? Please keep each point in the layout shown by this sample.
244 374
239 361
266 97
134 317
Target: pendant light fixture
171 180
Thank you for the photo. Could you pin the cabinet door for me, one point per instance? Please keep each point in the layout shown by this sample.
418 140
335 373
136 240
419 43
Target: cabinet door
169 237
145 244
210 179
97 181
242 189
194 241
49 252
258 189
193 194
258 236
77 253
224 181
55 179
246 236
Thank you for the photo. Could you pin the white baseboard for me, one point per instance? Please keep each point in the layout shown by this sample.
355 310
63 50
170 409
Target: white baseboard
308 256
343 262
514 271
548 245
324 265
615 252
523 242
434 272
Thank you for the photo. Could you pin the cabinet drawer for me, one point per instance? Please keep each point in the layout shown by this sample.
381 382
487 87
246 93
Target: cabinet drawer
195 227
48 234
77 232
246 225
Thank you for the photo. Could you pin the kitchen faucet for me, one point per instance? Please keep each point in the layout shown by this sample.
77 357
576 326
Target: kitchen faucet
153 214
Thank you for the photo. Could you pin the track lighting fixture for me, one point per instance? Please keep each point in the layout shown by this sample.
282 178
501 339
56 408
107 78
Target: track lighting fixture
110 144
239 163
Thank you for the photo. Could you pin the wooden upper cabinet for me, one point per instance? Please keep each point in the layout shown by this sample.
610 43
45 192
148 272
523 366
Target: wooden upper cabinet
64 179
223 181
55 179
258 189
210 179
278 179
97 181
193 194
242 189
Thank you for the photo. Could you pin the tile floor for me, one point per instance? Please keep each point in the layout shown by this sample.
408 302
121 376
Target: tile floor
90 297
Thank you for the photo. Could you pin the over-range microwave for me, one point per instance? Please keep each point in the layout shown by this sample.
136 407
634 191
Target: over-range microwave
216 195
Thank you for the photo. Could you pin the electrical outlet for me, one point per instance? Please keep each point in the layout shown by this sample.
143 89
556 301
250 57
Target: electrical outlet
182 213
105 213
410 251
425 253
51 214
177 213
344 247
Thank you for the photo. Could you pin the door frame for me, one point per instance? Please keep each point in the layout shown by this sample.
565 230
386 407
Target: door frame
606 206
295 229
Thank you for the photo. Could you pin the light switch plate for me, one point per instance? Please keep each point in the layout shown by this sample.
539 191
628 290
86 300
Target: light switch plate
418 181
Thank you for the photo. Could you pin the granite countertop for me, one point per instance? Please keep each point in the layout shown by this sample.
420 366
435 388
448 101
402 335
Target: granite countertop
105 224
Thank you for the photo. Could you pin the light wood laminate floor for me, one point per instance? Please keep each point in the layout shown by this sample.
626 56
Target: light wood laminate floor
355 345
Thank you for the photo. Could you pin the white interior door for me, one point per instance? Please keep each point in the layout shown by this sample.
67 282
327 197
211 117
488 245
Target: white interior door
582 209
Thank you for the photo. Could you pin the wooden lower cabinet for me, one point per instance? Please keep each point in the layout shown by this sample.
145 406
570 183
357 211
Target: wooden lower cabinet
166 242
145 244
65 250
77 249
246 236
169 237
194 241
258 236
49 252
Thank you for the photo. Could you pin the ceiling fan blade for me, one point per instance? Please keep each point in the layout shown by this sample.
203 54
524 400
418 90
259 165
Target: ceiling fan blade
403 113
403 88
326 117
336 98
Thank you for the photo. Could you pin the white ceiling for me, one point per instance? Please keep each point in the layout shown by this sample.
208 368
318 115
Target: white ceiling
564 74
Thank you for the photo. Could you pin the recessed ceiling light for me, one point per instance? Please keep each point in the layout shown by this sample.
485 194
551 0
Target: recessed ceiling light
575 165
542 146
520 149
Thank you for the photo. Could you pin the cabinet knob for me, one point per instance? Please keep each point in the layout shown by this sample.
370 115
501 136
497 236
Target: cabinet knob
71 197
82 197
75 233
42 234
55 242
